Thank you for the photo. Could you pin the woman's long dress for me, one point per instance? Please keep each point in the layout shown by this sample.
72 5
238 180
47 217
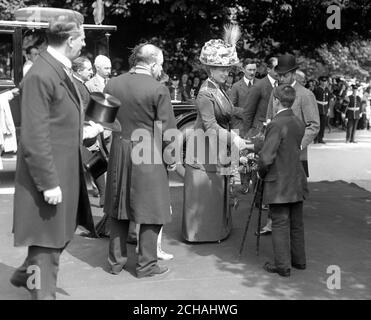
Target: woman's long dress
206 210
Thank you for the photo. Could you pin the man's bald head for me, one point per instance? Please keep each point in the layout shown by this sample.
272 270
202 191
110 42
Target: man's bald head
103 66
144 54
147 54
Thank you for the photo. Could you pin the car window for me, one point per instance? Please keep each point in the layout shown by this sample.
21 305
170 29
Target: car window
6 61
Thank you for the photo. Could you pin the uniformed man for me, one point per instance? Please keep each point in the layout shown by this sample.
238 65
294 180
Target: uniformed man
322 94
352 114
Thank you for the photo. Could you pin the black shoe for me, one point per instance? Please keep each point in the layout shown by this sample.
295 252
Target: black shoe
132 241
157 271
299 266
101 202
323 142
19 279
273 269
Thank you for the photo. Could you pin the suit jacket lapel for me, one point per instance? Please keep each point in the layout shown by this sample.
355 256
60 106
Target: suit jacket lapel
66 81
221 98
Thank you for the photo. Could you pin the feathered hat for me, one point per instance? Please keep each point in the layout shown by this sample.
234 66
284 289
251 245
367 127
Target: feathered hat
222 53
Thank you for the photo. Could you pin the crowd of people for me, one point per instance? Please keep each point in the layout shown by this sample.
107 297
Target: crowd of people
51 197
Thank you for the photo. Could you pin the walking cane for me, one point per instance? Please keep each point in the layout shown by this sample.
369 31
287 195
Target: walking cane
248 220
261 187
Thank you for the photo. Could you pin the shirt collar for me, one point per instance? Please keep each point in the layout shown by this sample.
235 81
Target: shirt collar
100 78
293 84
282 110
142 70
247 81
77 77
271 80
60 57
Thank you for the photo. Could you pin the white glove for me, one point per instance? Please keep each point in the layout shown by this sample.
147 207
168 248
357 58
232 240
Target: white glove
242 144
53 196
92 130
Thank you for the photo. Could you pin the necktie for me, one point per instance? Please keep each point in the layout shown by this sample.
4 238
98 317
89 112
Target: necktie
275 84
249 84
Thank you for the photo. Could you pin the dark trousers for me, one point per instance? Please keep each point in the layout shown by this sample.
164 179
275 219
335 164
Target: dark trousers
147 256
323 122
351 129
288 234
100 182
42 265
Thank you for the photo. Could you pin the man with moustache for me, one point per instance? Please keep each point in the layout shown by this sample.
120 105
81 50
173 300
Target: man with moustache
50 193
304 107
82 72
239 96
255 110
103 68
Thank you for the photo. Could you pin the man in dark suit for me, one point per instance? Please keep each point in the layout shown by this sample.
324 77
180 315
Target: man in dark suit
241 88
139 190
82 72
50 193
255 110
304 107
285 185
239 97
352 114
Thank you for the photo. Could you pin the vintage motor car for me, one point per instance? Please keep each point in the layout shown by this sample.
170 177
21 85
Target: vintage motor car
28 28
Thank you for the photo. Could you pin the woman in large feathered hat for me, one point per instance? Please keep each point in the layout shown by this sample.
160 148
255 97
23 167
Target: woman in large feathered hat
206 210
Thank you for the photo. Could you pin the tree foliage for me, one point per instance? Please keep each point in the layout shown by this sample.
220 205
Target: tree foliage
269 26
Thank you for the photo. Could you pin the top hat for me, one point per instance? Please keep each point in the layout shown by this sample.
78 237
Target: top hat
102 109
286 63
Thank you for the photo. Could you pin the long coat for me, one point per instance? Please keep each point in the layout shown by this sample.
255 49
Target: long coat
305 108
279 160
49 155
139 191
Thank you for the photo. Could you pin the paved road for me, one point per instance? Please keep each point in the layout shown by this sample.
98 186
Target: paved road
338 232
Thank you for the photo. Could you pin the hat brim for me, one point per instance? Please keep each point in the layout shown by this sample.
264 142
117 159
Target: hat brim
115 126
219 65
283 71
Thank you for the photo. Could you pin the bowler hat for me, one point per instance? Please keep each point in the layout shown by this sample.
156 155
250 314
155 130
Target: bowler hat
286 63
102 109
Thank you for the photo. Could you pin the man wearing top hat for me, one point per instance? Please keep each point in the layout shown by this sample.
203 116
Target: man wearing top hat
322 94
304 107
352 114
139 191
50 193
